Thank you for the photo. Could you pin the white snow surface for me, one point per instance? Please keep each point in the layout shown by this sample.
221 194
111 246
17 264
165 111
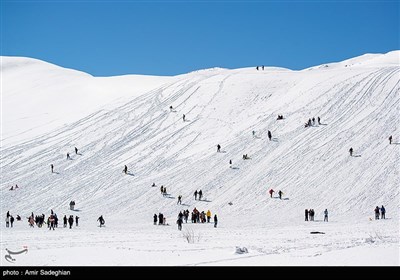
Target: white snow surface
47 110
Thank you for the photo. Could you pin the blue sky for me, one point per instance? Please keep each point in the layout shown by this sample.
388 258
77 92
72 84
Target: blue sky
106 38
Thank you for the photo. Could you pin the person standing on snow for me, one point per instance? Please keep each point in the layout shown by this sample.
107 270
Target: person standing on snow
383 212
271 191
351 152
326 215
101 220
179 222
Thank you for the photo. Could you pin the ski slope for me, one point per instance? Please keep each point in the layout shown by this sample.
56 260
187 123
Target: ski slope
48 110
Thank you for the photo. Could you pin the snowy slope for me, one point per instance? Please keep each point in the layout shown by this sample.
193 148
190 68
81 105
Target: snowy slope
357 100
38 97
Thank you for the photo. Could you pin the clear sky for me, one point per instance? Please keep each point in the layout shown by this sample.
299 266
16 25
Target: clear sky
106 38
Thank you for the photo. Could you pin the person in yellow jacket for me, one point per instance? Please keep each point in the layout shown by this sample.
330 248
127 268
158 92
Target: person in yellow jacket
208 216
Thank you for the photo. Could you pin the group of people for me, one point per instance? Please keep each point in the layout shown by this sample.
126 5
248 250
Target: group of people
311 122
9 219
70 220
160 218
382 211
39 220
163 190
198 193
280 193
280 117
258 67
309 215
196 217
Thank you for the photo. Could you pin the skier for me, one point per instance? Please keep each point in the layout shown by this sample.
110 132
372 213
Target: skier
257 68
16 186
184 117
154 184
200 194
319 120
215 220
68 157
125 169
280 194
12 188
326 215
76 150
179 200
101 220
155 219
162 189
218 148
262 67
383 212
313 121
306 214
271 191
351 152
195 195
18 218
170 108
76 220
11 221
230 163
390 139
269 135
254 134
52 168
65 220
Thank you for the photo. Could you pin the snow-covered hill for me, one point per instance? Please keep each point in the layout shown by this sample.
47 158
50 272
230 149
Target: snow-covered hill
117 121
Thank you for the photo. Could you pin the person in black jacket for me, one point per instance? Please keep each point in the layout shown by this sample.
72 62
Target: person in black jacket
101 220
215 220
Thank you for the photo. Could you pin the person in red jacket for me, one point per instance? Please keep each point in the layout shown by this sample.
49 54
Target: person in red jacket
271 191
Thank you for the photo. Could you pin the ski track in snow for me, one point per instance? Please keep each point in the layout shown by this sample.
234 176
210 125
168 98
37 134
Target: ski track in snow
358 107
